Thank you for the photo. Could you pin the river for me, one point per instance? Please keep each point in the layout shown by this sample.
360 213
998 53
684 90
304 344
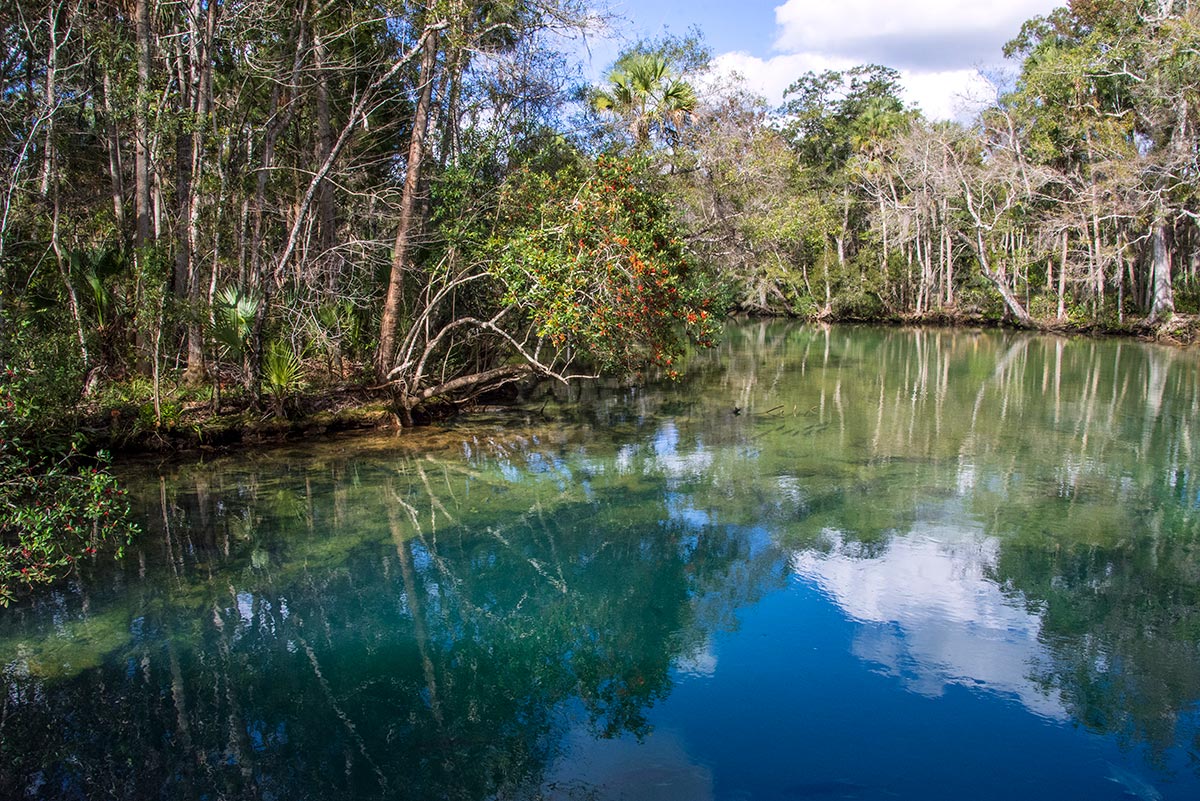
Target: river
846 562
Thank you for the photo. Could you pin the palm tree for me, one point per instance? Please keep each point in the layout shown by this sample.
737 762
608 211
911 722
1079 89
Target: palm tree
643 91
881 120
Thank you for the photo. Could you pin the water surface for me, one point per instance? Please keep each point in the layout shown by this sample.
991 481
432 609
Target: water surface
829 563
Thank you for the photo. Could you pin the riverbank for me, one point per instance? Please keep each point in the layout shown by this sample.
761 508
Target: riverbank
188 421
1182 330
196 425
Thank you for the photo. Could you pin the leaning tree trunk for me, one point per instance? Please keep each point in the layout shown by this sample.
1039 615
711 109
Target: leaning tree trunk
401 252
1015 308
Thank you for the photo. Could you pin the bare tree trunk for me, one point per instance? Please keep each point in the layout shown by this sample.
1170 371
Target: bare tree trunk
450 135
1097 257
845 230
51 98
64 270
49 184
1062 277
1120 272
1162 294
947 249
186 199
252 359
1161 290
115 171
326 213
929 278
883 258
407 223
141 125
199 75
999 281
828 287
142 236
183 165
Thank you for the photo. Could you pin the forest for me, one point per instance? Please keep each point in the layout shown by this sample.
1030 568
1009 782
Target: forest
213 205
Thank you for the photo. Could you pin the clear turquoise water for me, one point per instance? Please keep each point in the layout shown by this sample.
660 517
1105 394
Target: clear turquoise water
829 563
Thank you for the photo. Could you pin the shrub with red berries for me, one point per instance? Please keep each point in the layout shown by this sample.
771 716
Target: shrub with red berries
54 509
591 253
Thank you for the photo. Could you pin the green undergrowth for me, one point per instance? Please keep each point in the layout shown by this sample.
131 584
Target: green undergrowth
57 506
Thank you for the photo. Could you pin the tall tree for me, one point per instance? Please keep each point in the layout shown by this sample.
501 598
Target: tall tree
408 222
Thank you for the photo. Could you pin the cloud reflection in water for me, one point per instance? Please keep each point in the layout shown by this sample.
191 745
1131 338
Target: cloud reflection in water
932 616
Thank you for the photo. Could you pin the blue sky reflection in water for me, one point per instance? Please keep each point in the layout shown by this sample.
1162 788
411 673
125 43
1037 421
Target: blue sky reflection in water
915 565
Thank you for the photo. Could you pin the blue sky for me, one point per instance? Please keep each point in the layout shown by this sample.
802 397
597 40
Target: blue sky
943 48
748 25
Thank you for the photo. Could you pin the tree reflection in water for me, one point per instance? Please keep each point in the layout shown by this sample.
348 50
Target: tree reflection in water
455 614
378 626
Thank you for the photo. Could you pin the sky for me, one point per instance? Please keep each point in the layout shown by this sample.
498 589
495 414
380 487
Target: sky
943 48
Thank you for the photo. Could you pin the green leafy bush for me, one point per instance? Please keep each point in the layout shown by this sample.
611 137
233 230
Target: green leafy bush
857 304
44 375
592 255
54 510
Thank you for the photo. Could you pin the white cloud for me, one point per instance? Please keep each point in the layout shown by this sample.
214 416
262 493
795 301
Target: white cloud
947 94
939 47
950 94
771 77
942 48
928 34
